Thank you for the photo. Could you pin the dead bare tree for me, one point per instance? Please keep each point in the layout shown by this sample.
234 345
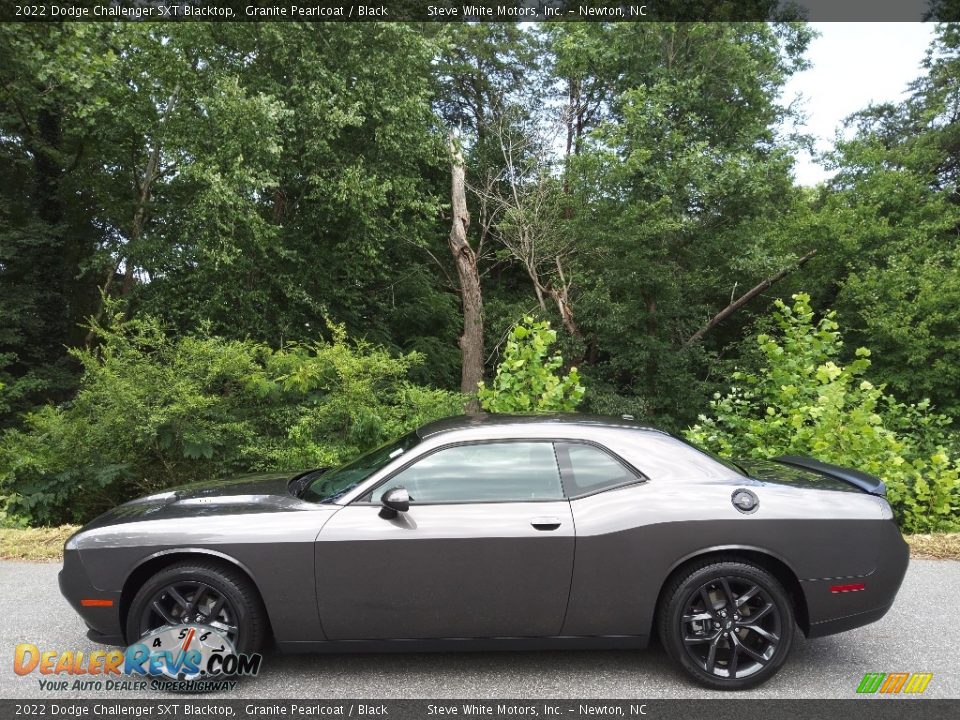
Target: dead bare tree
523 212
471 341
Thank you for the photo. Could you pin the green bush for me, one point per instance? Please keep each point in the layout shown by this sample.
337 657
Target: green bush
527 381
804 401
153 411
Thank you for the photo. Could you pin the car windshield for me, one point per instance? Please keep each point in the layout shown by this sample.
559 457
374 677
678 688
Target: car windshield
332 485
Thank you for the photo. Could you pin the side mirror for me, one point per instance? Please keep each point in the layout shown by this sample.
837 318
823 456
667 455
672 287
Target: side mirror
393 501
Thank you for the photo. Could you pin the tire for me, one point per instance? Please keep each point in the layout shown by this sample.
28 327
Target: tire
242 609
721 616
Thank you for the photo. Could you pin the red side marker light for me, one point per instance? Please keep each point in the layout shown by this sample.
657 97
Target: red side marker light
93 602
852 587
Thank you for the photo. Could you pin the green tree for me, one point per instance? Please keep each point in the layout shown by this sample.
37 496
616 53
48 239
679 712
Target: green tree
529 379
154 411
678 178
48 233
237 174
892 213
803 400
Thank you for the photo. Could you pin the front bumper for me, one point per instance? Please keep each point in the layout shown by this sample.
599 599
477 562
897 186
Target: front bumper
103 621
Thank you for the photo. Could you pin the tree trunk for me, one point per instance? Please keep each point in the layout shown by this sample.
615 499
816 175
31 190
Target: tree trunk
143 188
562 299
139 219
471 341
538 291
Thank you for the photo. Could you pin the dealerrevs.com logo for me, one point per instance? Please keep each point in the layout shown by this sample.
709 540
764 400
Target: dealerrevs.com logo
894 683
187 658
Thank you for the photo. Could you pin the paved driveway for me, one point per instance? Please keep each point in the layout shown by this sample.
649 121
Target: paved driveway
920 634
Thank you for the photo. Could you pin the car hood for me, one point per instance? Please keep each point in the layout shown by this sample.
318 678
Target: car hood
268 492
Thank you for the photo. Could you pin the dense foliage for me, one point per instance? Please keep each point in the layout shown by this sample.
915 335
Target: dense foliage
804 400
527 380
154 411
226 188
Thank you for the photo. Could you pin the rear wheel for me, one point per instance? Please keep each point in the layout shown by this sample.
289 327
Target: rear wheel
200 593
730 625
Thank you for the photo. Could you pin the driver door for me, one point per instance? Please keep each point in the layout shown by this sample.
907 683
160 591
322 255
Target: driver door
485 550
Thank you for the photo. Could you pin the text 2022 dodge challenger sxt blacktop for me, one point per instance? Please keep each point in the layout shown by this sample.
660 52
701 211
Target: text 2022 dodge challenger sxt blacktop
494 531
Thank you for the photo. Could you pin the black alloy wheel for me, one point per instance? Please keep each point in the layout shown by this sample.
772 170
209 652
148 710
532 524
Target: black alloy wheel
730 627
729 624
200 592
189 602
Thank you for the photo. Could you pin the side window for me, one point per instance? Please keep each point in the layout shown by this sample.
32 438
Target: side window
488 472
591 469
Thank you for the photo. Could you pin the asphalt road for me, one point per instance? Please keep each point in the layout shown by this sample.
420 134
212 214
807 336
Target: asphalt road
921 633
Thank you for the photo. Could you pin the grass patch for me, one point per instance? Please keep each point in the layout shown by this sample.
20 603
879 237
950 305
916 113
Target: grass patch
940 546
44 544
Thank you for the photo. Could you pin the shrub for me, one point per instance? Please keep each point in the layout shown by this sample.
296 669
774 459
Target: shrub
803 400
153 411
527 381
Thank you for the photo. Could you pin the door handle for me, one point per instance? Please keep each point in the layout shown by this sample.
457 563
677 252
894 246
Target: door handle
545 523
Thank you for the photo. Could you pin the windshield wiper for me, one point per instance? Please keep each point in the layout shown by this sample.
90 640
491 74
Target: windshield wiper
340 493
299 483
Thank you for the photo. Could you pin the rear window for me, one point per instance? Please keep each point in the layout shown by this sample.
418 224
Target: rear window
591 469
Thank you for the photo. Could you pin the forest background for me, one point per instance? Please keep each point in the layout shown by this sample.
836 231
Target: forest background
230 248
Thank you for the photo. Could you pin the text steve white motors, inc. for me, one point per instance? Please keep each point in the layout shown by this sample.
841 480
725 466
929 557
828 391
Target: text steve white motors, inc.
503 12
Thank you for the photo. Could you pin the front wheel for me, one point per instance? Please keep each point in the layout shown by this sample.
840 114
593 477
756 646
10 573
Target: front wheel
730 625
200 593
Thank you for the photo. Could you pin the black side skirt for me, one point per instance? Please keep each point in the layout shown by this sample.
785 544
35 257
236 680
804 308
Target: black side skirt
603 642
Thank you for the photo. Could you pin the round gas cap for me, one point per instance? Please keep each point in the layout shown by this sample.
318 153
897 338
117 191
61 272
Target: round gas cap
744 500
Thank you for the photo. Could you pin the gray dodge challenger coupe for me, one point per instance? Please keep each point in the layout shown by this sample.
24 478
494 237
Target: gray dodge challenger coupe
522 532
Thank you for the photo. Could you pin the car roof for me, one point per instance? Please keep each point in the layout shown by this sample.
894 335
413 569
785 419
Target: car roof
490 420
